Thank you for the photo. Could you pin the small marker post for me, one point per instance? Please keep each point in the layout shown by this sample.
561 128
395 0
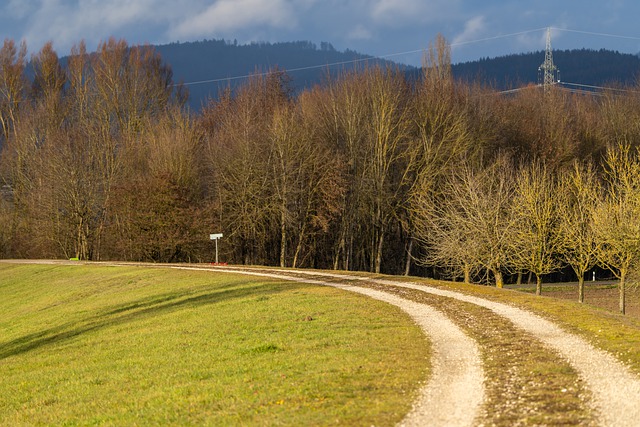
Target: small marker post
215 237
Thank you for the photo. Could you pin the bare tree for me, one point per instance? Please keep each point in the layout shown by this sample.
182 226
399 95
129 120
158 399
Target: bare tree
441 137
616 219
241 160
158 211
307 179
469 226
12 84
536 239
343 116
579 198
386 132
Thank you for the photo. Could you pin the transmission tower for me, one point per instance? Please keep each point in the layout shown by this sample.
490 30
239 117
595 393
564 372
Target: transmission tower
548 73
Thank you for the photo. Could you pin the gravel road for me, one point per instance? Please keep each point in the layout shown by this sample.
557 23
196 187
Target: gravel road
615 388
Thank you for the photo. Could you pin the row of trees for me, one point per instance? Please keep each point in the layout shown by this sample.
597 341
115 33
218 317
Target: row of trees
370 171
528 218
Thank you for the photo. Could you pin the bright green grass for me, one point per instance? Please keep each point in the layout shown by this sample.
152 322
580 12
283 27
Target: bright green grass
121 346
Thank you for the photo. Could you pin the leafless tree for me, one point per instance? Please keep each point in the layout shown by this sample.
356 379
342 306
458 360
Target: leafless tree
469 226
579 197
616 219
536 240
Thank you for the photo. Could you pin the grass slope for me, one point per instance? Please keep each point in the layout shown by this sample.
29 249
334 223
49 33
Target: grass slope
127 345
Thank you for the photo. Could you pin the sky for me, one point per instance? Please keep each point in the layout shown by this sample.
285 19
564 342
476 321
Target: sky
399 30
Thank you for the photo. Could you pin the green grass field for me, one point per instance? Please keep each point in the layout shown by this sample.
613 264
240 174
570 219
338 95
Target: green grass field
128 345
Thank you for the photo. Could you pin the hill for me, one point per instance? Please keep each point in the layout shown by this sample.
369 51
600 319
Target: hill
583 66
148 346
212 65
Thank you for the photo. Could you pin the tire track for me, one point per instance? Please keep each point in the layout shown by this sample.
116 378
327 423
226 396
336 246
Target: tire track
615 389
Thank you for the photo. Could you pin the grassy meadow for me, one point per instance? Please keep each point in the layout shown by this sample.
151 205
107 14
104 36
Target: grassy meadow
129 345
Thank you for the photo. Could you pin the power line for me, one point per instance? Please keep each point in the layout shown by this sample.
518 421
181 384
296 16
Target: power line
591 33
598 87
508 91
497 37
581 91
288 70
354 61
390 55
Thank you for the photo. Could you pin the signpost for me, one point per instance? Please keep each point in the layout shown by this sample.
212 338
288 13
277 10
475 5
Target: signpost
215 237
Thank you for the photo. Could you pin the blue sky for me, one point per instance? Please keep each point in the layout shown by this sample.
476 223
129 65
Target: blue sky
377 27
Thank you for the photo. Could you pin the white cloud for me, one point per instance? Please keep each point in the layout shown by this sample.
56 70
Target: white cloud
226 16
398 13
535 41
474 28
360 32
66 23
392 11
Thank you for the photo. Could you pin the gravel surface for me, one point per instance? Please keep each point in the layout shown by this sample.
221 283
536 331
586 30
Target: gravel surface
454 393
615 388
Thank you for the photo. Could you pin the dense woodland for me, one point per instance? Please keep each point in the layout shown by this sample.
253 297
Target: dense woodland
223 61
582 66
101 160
218 60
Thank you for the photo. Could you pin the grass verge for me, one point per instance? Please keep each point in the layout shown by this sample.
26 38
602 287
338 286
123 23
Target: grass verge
127 345
608 330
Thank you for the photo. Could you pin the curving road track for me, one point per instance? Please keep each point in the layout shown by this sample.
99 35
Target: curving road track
454 398
455 393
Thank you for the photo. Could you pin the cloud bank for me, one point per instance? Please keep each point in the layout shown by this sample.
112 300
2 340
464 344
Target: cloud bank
371 26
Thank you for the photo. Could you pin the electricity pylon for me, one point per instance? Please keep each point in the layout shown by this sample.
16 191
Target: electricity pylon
548 73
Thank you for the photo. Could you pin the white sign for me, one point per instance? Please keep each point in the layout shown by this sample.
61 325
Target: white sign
215 237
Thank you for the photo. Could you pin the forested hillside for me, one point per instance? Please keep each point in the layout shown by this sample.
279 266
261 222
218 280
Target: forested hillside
370 171
218 64
210 67
582 66
211 63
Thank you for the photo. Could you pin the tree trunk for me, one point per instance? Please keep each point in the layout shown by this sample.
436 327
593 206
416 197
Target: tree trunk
298 248
407 265
519 279
340 250
581 288
621 286
348 254
499 279
379 252
467 274
538 284
283 235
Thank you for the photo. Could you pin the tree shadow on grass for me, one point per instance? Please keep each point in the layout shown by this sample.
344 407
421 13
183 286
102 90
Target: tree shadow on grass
131 312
